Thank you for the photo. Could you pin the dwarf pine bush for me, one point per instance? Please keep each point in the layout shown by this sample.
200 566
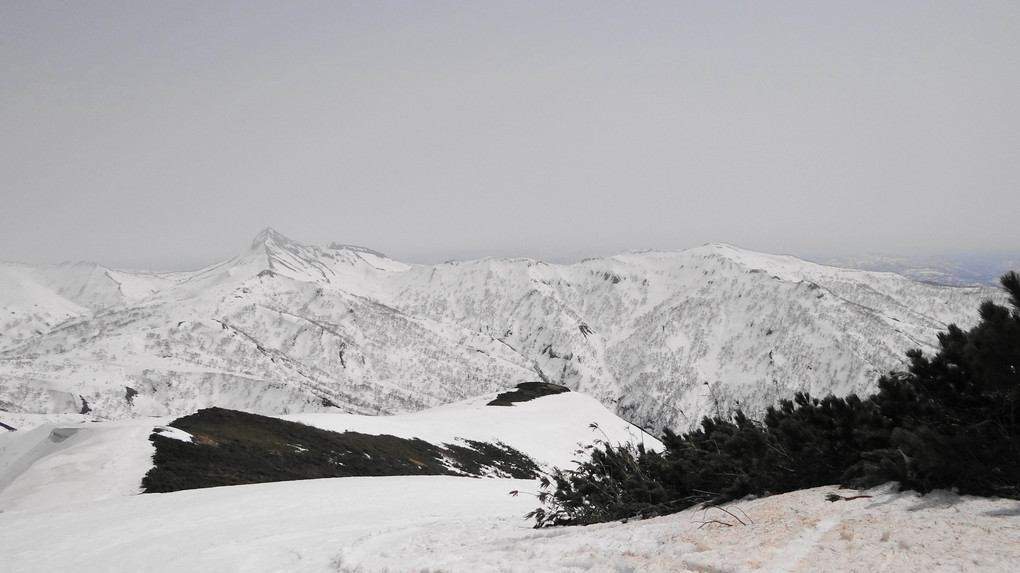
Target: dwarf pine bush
949 421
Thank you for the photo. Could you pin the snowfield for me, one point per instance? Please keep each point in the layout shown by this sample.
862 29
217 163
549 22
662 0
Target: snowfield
68 502
549 429
63 464
472 525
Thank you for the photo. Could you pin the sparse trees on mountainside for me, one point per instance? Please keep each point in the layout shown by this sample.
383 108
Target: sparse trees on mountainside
949 421
956 412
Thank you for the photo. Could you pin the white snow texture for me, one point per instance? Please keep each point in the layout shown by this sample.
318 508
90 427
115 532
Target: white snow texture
92 360
662 338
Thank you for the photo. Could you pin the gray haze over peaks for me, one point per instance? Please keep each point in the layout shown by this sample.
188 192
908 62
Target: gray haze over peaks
160 135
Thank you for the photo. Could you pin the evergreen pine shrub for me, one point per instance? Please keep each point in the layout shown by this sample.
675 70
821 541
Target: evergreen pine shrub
950 421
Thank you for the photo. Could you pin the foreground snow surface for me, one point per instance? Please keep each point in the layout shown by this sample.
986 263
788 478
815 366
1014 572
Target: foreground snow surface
463 524
68 502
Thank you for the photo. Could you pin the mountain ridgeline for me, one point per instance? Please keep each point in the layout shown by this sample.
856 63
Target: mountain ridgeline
663 338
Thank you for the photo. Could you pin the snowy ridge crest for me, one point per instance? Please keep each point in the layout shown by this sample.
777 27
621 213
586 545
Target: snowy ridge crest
662 338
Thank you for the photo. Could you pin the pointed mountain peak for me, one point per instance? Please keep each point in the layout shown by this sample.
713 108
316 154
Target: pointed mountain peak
276 247
270 236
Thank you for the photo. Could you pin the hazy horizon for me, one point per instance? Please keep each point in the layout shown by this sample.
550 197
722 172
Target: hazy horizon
973 259
166 135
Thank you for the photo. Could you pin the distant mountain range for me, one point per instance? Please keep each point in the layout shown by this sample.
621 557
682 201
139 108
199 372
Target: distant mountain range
662 338
952 271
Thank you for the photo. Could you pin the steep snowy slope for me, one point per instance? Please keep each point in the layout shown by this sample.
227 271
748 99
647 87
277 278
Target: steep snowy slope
279 328
669 337
663 338
28 307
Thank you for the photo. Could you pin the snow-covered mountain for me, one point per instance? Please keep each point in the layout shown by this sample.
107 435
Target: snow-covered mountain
661 337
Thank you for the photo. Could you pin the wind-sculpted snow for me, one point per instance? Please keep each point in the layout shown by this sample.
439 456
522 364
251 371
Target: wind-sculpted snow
662 338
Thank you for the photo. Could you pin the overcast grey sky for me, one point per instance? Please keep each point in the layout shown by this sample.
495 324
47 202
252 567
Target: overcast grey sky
167 134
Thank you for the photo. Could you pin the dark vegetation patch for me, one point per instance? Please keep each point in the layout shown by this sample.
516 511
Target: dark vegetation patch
234 448
951 421
527 391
